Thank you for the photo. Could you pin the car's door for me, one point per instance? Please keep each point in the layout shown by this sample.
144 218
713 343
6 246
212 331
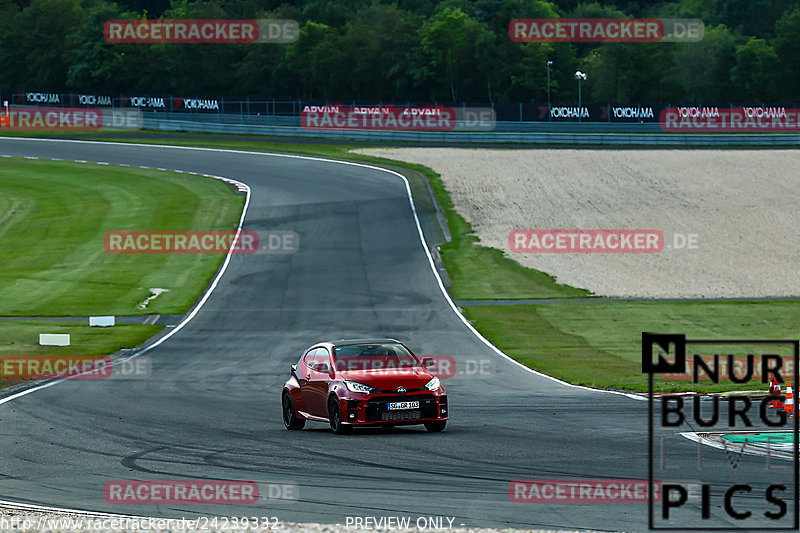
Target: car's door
315 390
302 373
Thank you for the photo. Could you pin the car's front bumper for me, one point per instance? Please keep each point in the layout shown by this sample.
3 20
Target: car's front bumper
373 410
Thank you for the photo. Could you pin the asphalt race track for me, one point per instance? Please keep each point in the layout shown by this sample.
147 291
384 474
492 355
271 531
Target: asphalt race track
211 409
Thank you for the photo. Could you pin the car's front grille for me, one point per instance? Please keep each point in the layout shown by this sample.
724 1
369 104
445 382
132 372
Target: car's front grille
377 411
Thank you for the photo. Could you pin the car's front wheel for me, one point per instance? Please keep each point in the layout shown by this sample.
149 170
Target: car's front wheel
290 419
335 417
436 427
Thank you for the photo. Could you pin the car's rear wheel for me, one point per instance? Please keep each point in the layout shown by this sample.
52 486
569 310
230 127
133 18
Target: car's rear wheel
335 417
290 419
436 427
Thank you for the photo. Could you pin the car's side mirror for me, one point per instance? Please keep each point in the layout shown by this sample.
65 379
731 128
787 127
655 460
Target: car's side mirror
294 369
428 362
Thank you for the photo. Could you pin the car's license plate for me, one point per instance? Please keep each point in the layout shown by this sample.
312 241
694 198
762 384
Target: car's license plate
396 406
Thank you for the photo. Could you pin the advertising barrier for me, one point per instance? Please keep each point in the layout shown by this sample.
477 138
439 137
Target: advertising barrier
477 116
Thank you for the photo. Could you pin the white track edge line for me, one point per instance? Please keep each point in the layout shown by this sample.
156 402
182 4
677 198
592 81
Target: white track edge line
195 310
416 219
95 514
227 260
694 437
176 329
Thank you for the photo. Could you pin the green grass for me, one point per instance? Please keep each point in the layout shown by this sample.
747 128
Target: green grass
54 215
598 344
466 261
482 273
22 337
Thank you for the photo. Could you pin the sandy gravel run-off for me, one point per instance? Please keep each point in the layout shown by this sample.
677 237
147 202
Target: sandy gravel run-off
744 205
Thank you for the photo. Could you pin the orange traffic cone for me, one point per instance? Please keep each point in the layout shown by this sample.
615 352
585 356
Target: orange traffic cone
775 390
789 403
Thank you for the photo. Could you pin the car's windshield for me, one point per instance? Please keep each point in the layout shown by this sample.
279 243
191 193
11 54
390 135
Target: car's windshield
374 356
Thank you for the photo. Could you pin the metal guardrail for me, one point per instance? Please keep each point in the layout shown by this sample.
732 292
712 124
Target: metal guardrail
546 133
515 126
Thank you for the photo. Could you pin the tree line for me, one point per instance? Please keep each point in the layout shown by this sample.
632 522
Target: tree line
409 50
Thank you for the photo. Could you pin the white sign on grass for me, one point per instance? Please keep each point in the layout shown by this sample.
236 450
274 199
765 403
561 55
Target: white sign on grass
54 339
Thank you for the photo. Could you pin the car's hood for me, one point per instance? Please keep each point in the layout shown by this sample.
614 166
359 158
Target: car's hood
390 379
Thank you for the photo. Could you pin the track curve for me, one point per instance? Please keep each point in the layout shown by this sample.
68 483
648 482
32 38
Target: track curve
212 409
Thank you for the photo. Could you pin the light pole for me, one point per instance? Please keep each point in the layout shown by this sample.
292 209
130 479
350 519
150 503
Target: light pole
579 76
549 117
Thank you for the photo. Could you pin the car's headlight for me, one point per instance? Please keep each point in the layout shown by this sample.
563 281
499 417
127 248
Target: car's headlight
354 386
433 384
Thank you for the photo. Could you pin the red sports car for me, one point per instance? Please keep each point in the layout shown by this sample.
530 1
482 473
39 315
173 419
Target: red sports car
363 383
